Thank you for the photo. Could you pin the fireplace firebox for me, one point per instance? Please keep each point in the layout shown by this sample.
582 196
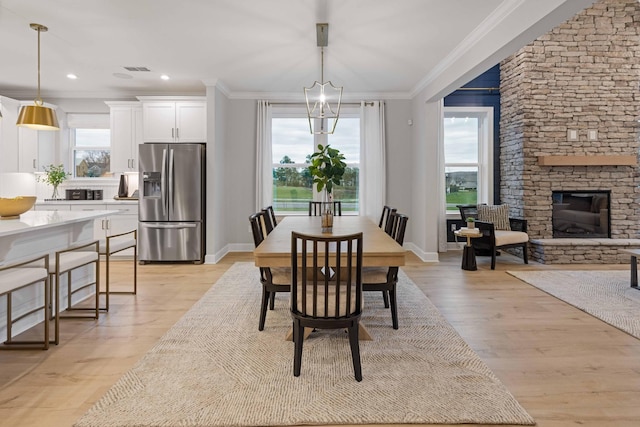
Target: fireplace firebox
581 214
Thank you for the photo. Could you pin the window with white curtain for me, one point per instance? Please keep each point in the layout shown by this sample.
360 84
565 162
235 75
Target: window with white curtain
291 145
468 158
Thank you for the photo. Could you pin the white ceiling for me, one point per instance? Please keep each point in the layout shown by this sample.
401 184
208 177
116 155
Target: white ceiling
251 48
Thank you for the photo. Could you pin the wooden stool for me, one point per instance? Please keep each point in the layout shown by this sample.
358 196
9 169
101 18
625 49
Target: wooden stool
64 262
114 244
19 276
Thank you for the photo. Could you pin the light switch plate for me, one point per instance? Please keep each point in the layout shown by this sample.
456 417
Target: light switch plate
572 135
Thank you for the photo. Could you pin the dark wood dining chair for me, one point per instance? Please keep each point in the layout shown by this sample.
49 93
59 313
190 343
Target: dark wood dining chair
326 301
269 219
385 279
272 279
386 210
315 208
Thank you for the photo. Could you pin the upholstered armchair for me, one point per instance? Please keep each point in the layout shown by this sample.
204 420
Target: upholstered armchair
499 231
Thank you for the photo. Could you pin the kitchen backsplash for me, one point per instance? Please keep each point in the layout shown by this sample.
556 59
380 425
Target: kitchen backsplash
25 184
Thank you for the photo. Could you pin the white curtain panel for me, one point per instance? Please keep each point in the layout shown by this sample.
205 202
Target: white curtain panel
264 163
372 159
442 194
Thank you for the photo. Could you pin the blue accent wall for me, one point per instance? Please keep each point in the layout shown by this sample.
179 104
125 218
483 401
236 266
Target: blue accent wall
484 98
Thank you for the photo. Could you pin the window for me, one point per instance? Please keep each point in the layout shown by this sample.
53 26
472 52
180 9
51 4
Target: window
91 152
468 133
292 144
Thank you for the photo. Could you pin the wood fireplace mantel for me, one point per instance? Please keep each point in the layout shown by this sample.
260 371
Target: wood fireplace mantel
605 160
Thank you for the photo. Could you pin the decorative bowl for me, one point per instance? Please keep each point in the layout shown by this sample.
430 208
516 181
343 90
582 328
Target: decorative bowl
13 207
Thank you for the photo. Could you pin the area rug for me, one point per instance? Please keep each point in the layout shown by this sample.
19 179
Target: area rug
606 295
214 368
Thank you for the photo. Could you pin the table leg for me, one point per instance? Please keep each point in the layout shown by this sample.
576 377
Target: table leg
634 271
469 258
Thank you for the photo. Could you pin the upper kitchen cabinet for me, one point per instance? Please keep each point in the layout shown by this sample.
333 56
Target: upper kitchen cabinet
9 134
174 119
37 149
126 134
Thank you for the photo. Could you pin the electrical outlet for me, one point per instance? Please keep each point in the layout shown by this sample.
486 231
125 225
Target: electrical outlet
249 230
453 227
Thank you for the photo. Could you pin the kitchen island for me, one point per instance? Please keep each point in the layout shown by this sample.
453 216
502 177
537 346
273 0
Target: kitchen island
37 233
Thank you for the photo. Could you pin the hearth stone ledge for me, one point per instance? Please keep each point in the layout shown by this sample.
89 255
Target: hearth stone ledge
581 251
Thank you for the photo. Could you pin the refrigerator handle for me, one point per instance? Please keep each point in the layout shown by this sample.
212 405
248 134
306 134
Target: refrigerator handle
171 195
163 183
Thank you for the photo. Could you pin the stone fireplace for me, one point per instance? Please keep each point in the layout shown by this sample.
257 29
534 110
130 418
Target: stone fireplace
570 105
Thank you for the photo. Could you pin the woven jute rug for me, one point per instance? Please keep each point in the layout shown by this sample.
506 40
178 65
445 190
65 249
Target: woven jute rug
606 295
214 368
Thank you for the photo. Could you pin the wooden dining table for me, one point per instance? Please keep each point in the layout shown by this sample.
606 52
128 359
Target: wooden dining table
378 248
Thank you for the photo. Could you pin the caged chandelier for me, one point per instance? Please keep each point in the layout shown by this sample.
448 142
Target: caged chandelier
323 98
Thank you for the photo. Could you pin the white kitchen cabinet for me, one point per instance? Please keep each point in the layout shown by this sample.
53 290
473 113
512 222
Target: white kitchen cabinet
37 148
9 135
125 220
126 135
181 119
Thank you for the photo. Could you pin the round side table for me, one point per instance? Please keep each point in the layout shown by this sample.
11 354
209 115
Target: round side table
468 254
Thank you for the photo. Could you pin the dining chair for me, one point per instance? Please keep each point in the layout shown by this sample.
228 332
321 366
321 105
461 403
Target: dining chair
272 215
268 220
315 208
385 279
384 218
326 292
272 279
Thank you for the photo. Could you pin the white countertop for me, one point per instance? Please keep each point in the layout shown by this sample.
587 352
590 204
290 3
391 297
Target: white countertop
87 202
35 220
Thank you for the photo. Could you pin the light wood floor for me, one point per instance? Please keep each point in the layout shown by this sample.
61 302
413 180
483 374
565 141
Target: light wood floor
565 367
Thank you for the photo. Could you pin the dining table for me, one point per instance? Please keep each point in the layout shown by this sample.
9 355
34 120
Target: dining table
378 248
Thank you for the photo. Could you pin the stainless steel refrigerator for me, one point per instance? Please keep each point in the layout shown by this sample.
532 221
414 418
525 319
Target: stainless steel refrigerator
171 202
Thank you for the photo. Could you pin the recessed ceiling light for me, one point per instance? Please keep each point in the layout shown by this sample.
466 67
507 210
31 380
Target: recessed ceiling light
164 77
72 76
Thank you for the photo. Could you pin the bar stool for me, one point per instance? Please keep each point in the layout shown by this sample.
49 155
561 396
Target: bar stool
114 244
19 276
66 261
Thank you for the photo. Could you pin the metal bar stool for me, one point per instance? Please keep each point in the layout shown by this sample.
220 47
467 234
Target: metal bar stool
114 244
64 262
19 276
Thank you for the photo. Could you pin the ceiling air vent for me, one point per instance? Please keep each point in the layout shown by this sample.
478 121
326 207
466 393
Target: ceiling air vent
137 69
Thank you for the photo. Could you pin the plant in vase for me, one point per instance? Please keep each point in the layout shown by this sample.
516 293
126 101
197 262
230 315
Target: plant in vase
471 223
327 169
54 175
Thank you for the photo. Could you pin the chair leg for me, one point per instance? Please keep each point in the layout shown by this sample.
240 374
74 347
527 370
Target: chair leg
394 307
355 350
263 308
298 338
493 258
385 298
525 254
272 300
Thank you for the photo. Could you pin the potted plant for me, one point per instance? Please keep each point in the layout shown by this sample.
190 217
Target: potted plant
327 169
471 223
54 175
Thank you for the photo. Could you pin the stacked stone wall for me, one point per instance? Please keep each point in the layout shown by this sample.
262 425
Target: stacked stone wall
584 75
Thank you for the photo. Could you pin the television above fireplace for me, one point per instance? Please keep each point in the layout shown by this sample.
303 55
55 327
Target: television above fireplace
581 214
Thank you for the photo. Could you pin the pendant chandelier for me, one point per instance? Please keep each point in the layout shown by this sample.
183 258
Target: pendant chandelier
323 98
38 116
